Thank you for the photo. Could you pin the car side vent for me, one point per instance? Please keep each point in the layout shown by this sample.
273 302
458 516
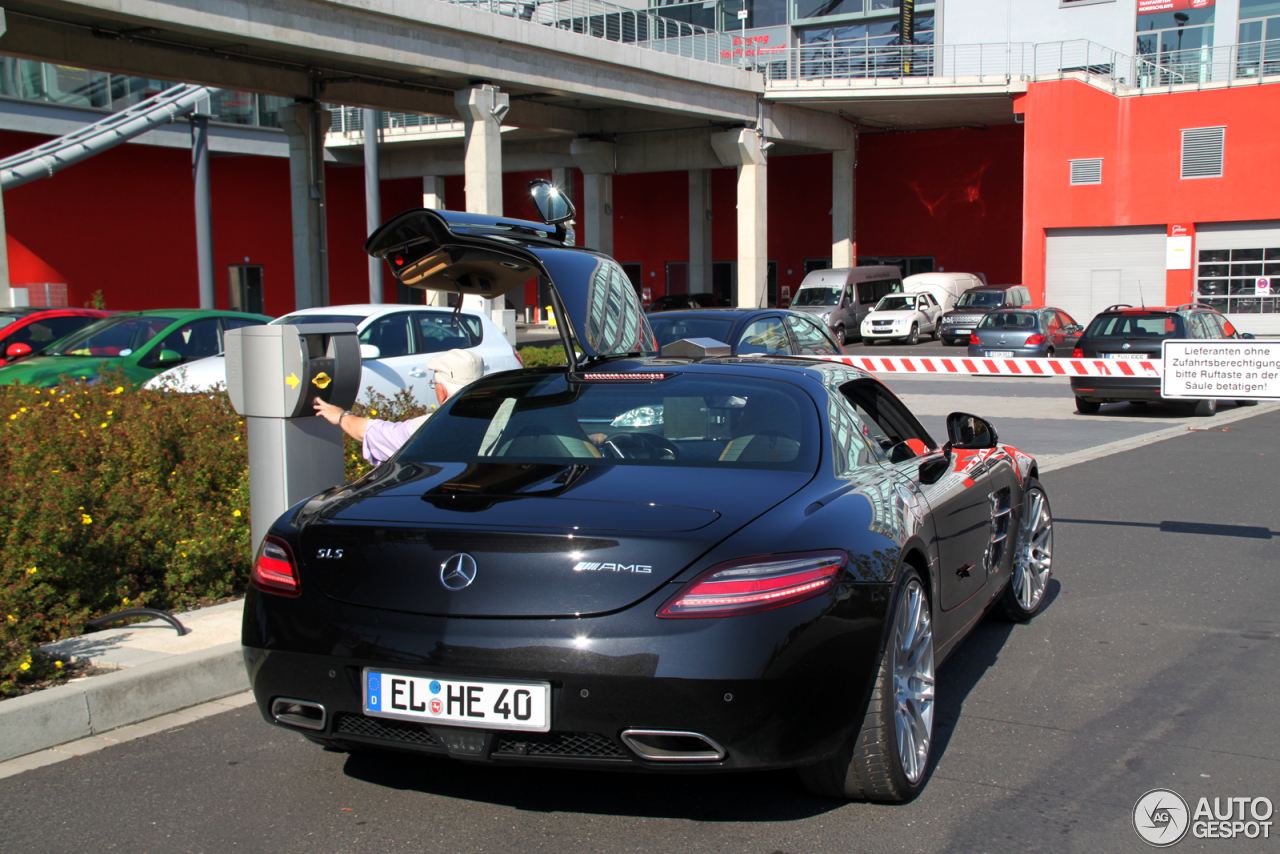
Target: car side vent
1086 171
1202 152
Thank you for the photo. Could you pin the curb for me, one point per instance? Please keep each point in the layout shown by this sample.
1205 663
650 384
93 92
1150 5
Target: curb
93 706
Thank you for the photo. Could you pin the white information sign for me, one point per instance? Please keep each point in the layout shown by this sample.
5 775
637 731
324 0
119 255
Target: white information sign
1178 253
1224 368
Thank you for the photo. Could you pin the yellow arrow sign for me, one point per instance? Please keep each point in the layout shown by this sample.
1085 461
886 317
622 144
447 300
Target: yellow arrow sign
292 380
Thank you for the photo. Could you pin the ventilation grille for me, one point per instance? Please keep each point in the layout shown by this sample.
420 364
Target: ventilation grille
1202 152
577 745
1086 171
386 729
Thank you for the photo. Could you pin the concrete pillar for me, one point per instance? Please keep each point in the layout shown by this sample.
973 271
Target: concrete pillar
741 147
699 231
6 295
844 223
305 124
204 207
482 108
372 198
433 192
598 161
597 214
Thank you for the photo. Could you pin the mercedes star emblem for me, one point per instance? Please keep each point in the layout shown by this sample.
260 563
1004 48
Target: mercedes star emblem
458 571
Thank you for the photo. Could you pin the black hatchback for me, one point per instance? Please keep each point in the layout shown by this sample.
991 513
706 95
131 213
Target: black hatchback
1125 332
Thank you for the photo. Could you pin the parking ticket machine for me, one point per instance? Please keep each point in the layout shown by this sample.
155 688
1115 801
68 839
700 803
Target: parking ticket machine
273 375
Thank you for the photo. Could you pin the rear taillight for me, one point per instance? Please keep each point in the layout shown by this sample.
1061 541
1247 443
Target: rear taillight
1034 340
756 584
274 570
517 355
1077 353
973 339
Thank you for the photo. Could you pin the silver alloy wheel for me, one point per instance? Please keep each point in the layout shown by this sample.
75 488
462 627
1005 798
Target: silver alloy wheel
1033 556
913 681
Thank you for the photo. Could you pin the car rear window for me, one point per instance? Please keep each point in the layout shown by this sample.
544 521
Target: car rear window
1136 326
686 420
670 329
1009 320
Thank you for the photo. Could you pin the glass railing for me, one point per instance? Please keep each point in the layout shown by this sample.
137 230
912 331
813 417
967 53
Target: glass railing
348 123
81 87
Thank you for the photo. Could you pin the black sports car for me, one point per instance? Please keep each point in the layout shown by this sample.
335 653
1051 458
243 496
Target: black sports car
642 562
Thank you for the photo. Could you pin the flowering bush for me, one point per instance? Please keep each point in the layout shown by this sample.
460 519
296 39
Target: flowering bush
122 497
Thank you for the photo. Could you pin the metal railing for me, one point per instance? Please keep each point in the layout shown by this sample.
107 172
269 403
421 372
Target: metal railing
643 28
348 123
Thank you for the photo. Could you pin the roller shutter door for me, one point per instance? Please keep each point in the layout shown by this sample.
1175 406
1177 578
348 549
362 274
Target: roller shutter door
1230 258
1088 269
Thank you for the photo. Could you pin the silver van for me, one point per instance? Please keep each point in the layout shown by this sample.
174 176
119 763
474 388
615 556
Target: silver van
841 298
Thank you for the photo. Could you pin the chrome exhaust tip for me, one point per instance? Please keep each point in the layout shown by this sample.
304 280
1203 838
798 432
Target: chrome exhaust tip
299 713
665 745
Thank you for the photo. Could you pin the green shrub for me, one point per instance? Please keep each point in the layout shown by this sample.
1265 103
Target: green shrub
118 497
541 357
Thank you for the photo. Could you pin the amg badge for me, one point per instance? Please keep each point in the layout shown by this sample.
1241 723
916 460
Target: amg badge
588 566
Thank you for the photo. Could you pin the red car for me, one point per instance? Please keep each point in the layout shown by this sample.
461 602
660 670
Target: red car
28 331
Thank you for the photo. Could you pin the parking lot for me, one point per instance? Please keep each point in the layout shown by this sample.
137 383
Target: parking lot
1152 665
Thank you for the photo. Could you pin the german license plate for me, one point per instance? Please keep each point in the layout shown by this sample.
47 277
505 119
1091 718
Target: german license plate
999 354
1124 355
477 703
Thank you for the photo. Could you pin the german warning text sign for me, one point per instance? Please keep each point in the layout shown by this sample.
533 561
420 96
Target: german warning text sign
1238 368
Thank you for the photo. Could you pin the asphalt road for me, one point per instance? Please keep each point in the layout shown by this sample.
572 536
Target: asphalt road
1154 664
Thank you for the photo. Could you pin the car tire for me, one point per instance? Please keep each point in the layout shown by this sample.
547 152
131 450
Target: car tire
871 766
868 342
1048 354
1024 595
840 336
1087 407
1246 403
946 342
933 336
1205 408
914 337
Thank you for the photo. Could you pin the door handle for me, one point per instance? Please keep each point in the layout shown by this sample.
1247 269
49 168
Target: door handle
417 373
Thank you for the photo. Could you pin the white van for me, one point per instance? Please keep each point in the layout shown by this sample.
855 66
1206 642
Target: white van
945 287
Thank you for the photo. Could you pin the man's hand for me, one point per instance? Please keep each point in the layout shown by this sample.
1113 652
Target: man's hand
327 411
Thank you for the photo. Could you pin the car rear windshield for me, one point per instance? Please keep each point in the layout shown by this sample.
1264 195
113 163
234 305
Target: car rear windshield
114 338
1136 326
670 329
686 420
308 319
818 295
1009 320
980 299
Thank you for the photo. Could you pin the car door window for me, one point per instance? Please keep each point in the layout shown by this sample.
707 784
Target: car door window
1197 328
848 295
437 332
811 339
1066 320
1214 324
766 336
195 340
894 433
392 335
1052 325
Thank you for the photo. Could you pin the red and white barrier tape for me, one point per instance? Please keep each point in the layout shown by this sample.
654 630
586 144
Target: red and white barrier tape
1004 367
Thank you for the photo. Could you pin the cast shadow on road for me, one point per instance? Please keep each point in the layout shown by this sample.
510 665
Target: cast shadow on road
766 796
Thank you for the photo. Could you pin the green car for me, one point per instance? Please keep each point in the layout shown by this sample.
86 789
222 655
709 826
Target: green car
140 343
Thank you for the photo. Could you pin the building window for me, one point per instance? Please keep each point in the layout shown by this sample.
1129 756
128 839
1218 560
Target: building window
1259 38
1180 43
1227 279
1086 171
1202 152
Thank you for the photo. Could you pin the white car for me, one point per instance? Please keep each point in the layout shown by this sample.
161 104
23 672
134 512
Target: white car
396 341
902 317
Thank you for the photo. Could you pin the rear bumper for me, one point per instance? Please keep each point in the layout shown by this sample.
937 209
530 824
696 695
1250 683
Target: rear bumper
776 689
980 352
1104 389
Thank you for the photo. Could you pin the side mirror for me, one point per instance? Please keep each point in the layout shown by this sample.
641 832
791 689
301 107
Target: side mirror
17 350
168 357
553 206
369 351
1248 335
969 432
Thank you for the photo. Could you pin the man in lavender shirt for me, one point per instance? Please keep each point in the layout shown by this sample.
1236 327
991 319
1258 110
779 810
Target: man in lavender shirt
454 370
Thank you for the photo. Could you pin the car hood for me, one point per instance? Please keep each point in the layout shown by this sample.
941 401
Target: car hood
967 312
491 256
45 370
546 540
890 315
